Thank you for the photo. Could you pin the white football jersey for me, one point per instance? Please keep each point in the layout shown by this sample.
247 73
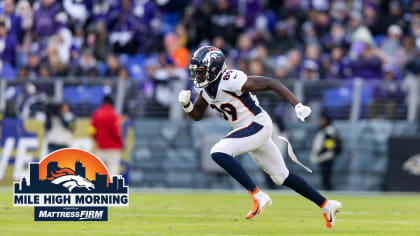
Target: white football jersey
236 107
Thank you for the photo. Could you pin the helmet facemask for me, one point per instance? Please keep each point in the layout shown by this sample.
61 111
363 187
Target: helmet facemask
199 75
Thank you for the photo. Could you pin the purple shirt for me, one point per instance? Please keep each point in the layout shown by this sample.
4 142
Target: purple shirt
8 54
45 24
367 68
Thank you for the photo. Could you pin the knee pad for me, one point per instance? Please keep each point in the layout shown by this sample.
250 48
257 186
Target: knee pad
279 178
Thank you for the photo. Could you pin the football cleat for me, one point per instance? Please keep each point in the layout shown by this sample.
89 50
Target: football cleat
261 201
330 211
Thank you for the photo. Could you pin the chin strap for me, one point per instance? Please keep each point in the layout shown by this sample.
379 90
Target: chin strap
292 154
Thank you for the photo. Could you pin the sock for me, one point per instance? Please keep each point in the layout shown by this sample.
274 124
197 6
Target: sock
231 166
298 184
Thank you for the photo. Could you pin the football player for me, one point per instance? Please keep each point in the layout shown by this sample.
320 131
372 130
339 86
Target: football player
229 92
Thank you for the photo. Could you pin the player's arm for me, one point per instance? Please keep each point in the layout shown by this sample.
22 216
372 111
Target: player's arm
261 83
196 110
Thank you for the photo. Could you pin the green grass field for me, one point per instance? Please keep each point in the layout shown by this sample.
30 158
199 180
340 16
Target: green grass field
223 213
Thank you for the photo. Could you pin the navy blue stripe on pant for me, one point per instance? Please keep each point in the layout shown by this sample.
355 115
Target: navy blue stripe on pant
249 130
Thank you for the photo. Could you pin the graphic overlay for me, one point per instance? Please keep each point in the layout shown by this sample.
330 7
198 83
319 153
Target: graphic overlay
70 185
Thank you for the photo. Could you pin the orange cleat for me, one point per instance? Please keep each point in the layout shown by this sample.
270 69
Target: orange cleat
329 211
260 201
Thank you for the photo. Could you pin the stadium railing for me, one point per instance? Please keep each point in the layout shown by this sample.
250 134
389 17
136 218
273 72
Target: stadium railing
341 99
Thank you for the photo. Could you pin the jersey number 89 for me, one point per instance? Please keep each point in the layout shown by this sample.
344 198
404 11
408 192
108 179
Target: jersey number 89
225 110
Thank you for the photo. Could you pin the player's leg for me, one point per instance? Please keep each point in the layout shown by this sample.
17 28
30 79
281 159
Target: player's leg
237 142
270 159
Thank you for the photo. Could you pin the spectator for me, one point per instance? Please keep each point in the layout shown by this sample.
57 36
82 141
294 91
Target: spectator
33 65
244 46
336 37
59 126
24 10
181 34
260 53
371 18
415 26
105 129
391 44
336 65
413 65
59 46
223 21
325 148
312 52
386 96
280 71
97 40
256 67
125 29
288 66
163 78
87 66
321 22
310 71
7 71
76 10
198 21
309 35
396 15
8 45
354 22
294 58
123 74
178 53
282 42
220 42
22 73
368 62
44 72
78 40
113 66
100 10
405 52
14 20
45 17
339 11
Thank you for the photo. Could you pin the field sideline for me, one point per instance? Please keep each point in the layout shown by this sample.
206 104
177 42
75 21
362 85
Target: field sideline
189 212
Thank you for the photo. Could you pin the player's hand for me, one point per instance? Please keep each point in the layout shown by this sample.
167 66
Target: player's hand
184 97
302 111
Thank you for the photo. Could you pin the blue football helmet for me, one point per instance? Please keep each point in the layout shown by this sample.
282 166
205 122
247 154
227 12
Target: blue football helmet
206 66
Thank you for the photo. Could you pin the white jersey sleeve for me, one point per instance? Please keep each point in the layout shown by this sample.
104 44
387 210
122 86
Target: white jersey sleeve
234 80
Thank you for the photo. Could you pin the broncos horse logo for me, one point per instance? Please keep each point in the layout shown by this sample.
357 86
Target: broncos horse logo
68 179
412 165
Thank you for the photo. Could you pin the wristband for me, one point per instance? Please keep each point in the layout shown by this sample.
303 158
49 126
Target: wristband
189 108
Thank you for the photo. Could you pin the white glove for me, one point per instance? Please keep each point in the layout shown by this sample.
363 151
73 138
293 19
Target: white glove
184 97
302 111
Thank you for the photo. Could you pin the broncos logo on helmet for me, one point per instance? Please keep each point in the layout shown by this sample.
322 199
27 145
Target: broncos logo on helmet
68 179
206 66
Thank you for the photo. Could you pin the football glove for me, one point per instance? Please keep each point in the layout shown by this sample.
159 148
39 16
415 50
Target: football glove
302 111
184 97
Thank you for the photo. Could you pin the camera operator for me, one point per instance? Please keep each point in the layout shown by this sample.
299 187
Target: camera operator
59 126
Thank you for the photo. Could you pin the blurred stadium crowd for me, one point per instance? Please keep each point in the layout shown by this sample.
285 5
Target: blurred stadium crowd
150 41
